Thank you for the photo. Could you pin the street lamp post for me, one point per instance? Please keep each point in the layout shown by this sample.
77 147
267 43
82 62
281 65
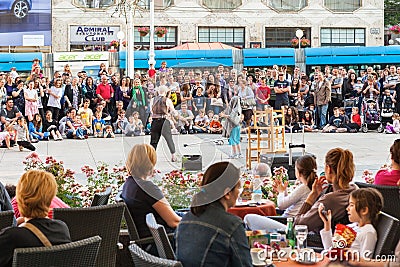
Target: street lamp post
130 46
151 51
299 34
121 36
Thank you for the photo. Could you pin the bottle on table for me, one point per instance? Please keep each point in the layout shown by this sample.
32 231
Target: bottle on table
290 238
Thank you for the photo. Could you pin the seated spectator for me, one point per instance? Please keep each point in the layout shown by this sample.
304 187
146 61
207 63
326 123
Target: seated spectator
199 100
74 127
142 196
120 123
10 113
208 235
339 172
201 122
86 115
50 125
390 176
108 132
5 203
291 120
215 125
308 122
355 121
23 138
364 207
55 203
335 122
98 125
5 137
185 120
35 191
36 128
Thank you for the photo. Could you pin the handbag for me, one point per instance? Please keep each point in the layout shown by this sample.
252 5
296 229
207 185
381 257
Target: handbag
247 103
217 102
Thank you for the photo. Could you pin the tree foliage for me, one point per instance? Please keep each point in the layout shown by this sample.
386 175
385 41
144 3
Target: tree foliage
392 12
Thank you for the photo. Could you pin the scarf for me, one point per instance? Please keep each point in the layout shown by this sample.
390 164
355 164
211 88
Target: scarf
139 103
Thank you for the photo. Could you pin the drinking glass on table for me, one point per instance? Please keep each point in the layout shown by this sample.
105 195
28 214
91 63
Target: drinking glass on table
301 232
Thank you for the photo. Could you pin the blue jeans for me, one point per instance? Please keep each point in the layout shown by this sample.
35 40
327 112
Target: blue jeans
322 111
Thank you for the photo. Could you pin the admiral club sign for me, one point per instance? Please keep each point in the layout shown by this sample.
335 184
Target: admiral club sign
93 35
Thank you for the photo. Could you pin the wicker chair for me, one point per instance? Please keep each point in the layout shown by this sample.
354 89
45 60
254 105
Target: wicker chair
391 197
164 247
104 221
144 259
388 229
6 218
81 253
100 199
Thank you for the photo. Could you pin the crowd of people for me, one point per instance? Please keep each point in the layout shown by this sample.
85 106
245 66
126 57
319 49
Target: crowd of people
75 105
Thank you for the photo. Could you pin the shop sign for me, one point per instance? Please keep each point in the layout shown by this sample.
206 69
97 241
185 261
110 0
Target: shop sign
93 35
80 56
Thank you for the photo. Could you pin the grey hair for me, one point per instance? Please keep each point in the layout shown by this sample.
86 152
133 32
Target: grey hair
262 169
162 89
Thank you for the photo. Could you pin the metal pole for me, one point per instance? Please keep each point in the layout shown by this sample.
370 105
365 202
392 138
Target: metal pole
299 43
151 51
130 47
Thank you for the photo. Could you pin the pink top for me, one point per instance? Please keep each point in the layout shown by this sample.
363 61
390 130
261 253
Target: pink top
387 177
55 203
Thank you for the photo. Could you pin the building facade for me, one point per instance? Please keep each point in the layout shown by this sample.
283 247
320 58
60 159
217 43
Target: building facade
87 25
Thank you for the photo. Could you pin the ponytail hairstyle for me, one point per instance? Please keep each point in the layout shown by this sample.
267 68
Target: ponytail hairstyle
218 180
342 165
368 198
307 167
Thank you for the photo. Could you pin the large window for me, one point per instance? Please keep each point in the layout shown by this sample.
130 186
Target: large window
168 40
222 4
282 37
229 36
342 5
288 5
158 4
342 37
94 3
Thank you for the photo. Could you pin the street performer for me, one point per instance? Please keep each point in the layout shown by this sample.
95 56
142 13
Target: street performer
160 107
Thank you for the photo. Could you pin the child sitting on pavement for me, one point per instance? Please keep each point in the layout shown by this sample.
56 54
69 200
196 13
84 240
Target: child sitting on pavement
121 122
335 123
201 122
215 125
98 125
108 132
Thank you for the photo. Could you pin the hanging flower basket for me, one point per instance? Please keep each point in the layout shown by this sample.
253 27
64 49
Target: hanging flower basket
295 42
160 31
395 29
143 31
304 42
114 43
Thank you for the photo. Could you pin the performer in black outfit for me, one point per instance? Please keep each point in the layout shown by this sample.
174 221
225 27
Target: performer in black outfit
160 107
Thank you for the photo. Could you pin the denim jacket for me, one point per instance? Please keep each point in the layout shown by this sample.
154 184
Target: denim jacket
215 238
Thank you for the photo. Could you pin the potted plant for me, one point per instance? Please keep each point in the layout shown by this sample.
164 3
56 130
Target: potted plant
395 29
304 42
143 31
160 31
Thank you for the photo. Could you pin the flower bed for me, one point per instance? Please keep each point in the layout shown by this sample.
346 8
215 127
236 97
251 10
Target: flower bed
70 190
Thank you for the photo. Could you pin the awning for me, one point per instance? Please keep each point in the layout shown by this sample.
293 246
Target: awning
202 46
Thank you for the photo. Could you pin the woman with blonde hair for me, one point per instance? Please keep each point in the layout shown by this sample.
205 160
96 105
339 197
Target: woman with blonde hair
141 195
35 191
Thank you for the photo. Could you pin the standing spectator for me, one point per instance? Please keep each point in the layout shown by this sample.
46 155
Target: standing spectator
90 94
31 101
336 90
55 94
105 91
123 93
138 102
18 96
245 93
322 98
282 89
163 67
73 94
151 72
263 94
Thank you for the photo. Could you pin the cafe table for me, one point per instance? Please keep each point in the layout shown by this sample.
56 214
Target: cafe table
264 208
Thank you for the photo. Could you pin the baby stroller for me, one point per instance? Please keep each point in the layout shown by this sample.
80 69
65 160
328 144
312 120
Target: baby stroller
388 108
370 116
